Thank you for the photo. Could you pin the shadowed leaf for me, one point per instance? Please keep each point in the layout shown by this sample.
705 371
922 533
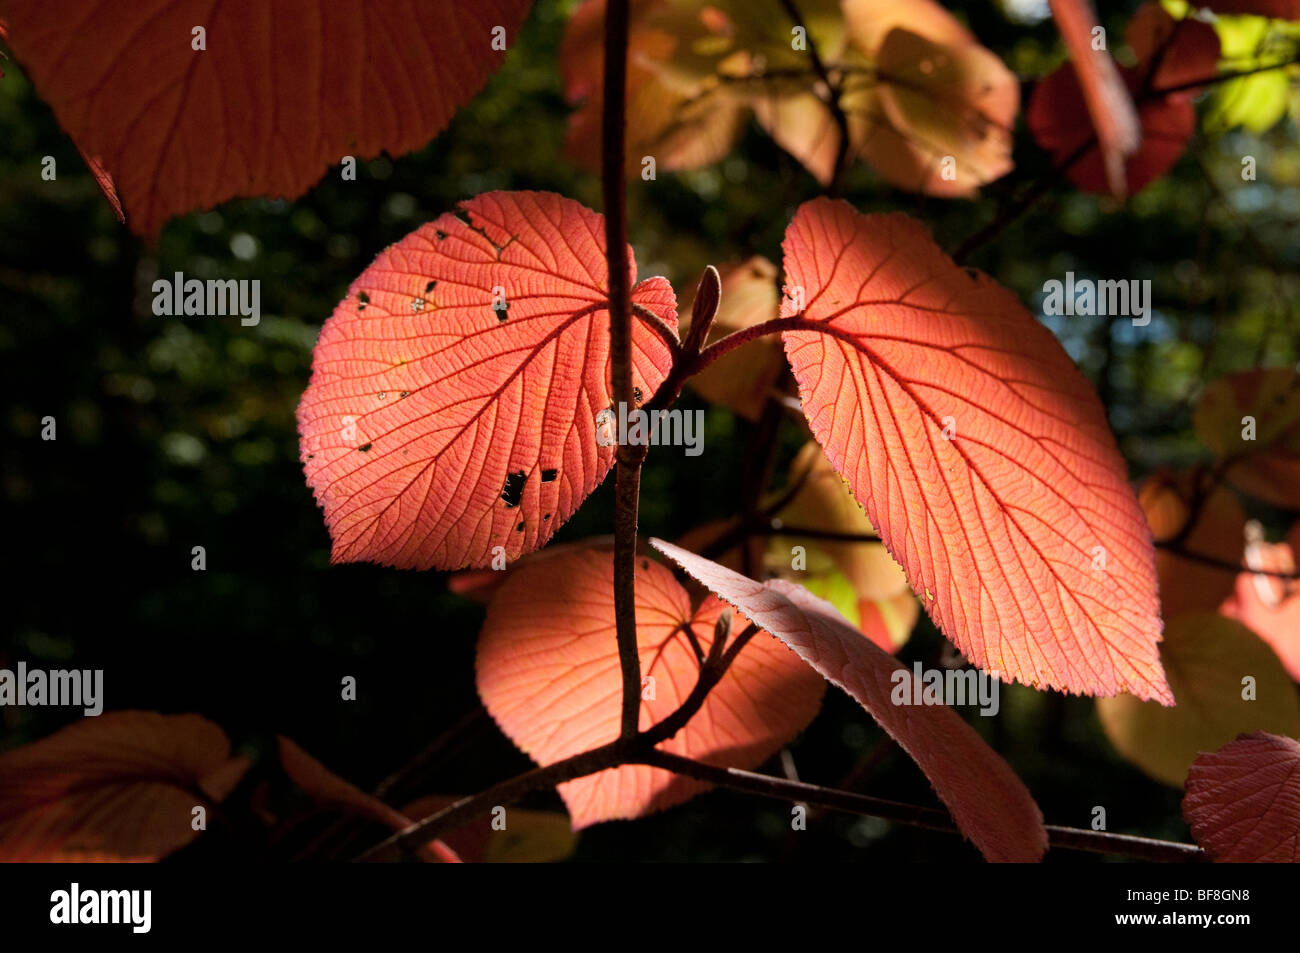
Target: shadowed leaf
280 93
117 787
987 800
1243 801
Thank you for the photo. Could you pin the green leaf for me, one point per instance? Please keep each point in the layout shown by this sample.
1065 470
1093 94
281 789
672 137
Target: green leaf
1256 102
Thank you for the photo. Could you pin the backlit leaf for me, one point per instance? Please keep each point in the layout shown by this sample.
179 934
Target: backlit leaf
979 452
548 672
924 103
1257 101
1269 605
948 108
1207 657
454 393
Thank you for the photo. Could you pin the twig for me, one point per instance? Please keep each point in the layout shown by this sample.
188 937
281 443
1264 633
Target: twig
406 841
620 752
777 528
1179 551
832 100
627 490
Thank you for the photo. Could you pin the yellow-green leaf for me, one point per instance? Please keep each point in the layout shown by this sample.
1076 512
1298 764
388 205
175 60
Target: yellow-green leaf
1225 681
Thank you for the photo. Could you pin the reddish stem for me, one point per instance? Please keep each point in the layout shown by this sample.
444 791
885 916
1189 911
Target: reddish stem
627 475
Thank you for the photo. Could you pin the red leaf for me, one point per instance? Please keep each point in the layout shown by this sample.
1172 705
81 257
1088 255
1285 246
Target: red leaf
1269 605
1243 801
436 427
116 787
282 92
1172 54
997 527
1098 78
548 672
105 183
326 788
987 800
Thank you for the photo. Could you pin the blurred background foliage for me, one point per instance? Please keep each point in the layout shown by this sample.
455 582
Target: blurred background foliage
180 432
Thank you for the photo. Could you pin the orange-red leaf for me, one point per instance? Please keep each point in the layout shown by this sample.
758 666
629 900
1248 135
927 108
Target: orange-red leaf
548 672
1171 54
987 800
282 91
1269 605
438 427
328 789
117 787
1243 801
980 453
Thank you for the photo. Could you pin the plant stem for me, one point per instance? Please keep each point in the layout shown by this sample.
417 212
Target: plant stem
622 752
1223 77
627 475
1205 560
638 748
811 532
505 792
832 100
